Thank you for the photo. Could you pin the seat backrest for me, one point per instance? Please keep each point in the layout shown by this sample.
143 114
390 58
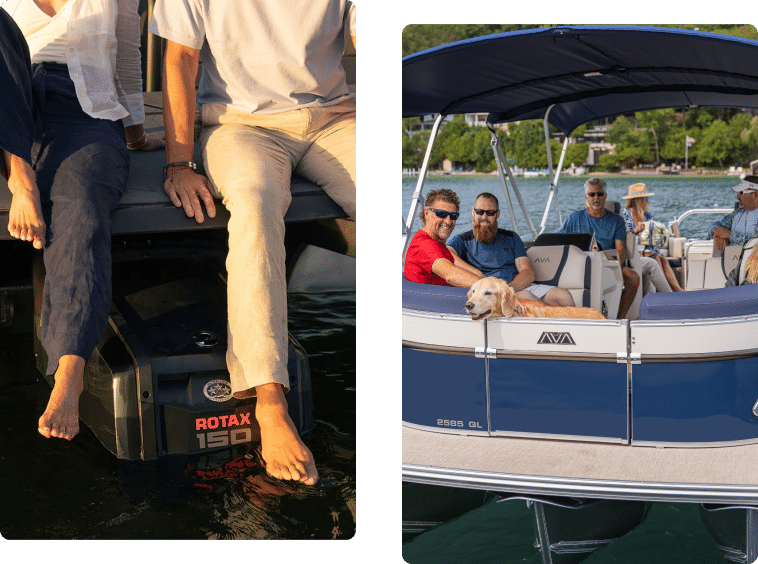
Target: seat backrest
564 266
615 207
748 249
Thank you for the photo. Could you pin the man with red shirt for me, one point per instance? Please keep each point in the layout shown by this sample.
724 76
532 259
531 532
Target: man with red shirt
428 260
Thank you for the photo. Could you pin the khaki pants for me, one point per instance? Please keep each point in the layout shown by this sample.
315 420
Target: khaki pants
249 159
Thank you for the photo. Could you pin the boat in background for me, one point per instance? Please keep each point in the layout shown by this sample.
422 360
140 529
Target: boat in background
662 406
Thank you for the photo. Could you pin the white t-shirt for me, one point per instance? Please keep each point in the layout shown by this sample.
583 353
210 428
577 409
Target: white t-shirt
102 41
263 56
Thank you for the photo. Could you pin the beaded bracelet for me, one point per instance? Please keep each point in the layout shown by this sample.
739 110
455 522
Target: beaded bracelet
185 164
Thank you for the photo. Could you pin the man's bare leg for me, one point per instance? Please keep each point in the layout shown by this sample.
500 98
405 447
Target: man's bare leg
559 297
25 217
61 418
631 283
285 455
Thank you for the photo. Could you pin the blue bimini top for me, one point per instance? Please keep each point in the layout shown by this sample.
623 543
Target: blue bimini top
586 72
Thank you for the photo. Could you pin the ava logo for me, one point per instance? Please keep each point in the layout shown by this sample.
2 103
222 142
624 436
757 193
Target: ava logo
218 390
556 339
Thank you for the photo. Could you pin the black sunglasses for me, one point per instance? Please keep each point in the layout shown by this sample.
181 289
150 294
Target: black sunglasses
593 194
442 214
489 213
743 192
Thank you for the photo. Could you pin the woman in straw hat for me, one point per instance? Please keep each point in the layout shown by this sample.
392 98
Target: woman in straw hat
636 214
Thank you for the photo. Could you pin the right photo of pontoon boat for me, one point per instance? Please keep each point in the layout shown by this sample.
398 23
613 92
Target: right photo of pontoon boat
536 436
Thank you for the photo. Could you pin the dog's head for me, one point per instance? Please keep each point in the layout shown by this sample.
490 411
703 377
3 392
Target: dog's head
490 297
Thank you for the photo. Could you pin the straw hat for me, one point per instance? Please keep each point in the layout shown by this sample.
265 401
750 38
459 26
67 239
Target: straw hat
638 190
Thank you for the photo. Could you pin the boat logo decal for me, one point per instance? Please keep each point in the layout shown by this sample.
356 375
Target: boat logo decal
218 390
556 339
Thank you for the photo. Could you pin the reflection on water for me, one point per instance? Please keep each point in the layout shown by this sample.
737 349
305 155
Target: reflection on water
504 532
52 489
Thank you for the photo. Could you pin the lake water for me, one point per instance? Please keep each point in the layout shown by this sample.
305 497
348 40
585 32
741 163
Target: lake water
503 532
673 196
53 489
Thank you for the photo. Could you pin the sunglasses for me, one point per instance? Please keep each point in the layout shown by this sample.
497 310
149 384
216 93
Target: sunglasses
744 192
489 213
593 194
442 214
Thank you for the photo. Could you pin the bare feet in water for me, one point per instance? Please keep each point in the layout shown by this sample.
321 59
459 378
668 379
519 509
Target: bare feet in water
61 418
285 455
25 217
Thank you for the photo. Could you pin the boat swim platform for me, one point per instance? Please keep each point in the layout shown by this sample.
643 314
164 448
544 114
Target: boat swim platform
146 208
718 475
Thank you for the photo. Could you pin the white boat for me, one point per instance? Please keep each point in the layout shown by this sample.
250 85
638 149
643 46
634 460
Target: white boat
662 406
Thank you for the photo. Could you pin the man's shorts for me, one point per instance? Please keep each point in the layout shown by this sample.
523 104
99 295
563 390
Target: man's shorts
539 290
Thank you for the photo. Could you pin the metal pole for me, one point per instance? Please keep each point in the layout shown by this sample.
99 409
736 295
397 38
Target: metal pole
420 184
500 157
495 142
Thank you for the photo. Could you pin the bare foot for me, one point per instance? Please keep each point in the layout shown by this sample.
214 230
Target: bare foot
61 417
25 218
285 455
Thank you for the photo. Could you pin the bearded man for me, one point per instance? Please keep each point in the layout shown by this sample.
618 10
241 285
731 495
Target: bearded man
501 253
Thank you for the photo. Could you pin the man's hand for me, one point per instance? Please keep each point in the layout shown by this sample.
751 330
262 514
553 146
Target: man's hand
721 237
186 188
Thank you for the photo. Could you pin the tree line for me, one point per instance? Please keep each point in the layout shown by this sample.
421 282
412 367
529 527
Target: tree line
722 137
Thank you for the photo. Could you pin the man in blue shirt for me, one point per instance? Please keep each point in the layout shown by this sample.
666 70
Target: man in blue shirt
742 224
501 253
609 230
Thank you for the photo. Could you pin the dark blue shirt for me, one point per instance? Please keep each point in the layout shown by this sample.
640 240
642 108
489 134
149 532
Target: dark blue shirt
495 259
607 229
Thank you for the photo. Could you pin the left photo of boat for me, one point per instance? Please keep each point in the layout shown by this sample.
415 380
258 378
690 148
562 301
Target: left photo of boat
564 398
177 295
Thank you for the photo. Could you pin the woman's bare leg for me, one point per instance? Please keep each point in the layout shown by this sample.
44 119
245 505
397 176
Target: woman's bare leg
61 418
669 274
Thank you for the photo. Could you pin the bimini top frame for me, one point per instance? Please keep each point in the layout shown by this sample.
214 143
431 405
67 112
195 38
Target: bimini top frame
570 75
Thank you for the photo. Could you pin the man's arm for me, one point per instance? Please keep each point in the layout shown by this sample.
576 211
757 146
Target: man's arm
452 274
460 263
185 187
525 275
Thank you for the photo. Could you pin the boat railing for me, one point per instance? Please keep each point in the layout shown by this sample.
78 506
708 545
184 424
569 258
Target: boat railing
678 220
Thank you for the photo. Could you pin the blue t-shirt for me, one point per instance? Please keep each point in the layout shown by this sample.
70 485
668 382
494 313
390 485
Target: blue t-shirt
496 259
607 229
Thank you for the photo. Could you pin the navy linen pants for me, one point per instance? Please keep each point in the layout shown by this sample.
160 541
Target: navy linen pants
81 164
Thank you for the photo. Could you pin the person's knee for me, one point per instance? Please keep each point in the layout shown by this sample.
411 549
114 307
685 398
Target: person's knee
526 295
631 278
559 297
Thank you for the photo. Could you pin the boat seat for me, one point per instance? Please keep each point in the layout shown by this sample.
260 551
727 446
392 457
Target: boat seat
581 241
429 297
564 266
719 302
712 272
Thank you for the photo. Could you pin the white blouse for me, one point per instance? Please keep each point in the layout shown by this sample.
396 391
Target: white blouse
101 51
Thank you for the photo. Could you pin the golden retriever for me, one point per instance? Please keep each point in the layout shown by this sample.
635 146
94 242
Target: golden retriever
492 297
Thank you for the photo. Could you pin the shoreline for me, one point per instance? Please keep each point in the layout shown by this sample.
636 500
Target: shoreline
624 172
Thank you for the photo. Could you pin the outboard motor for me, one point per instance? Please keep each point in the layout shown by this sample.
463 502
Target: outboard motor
157 382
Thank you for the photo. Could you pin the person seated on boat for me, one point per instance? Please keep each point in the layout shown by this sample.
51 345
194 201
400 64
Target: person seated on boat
742 224
609 230
68 118
428 260
747 267
501 253
274 100
635 214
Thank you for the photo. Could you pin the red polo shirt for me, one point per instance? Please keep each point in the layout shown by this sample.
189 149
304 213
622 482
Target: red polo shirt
422 252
